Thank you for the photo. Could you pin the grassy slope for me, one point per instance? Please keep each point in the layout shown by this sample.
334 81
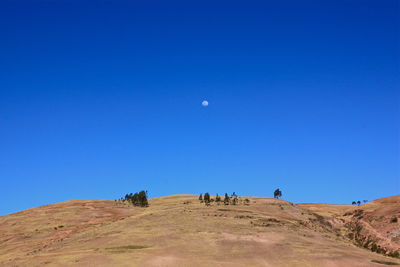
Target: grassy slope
268 232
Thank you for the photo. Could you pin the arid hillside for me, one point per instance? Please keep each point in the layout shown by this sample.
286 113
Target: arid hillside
178 230
374 226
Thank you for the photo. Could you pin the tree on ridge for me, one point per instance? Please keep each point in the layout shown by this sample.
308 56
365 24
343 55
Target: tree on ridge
277 193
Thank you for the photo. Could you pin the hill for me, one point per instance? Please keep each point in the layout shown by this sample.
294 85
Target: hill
178 230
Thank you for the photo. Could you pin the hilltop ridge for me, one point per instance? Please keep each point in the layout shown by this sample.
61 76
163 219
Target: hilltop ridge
178 230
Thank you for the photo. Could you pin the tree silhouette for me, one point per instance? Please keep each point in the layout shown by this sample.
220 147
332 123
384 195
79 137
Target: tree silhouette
277 193
226 199
201 198
207 199
137 199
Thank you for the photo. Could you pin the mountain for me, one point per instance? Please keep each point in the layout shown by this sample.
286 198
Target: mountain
178 230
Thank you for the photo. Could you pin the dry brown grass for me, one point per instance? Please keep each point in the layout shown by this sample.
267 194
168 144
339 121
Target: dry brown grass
268 232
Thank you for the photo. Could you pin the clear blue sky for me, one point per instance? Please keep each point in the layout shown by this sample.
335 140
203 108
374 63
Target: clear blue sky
101 98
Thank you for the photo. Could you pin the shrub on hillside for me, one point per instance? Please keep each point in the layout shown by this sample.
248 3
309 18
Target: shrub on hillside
218 199
234 200
394 254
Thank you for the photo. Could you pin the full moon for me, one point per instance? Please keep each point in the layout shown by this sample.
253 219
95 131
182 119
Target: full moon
204 103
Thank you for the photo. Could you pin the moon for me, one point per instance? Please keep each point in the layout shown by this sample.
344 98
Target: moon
204 103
